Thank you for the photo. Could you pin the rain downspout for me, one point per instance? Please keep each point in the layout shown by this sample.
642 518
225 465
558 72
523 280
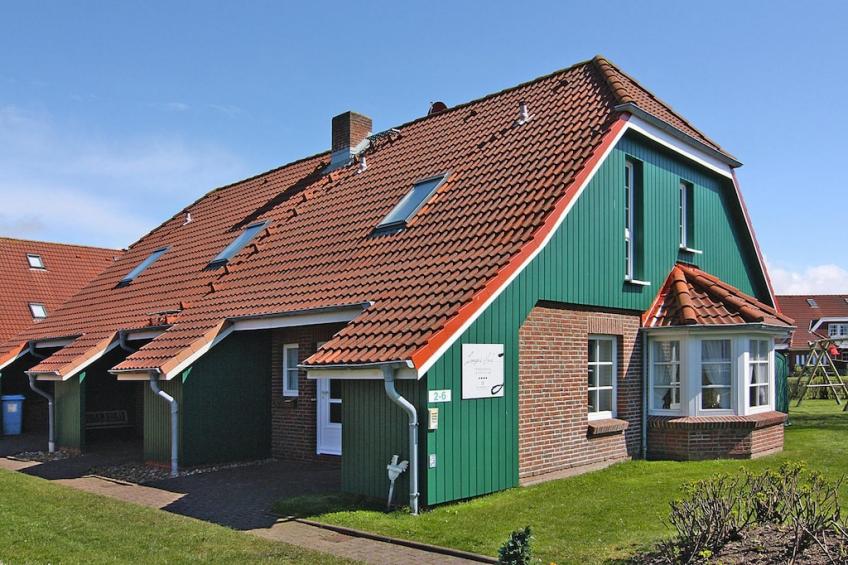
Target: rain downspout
645 394
154 386
394 395
51 441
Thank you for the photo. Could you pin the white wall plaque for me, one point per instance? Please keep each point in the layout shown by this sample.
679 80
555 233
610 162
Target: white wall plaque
439 396
482 370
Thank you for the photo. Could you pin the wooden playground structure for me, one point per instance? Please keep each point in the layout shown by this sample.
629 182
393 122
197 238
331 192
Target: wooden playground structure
821 364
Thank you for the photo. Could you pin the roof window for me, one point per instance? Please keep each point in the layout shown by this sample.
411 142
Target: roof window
132 275
811 302
35 261
413 201
38 311
238 244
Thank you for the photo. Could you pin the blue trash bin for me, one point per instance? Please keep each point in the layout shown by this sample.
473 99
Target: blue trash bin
13 413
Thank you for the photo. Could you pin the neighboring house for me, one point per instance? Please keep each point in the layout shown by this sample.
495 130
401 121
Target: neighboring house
36 277
817 316
545 280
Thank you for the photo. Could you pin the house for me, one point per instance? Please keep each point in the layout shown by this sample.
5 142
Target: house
542 281
36 277
817 316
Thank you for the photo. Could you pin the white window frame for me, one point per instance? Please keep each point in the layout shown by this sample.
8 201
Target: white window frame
769 363
841 327
33 309
733 375
684 215
604 414
629 219
35 261
681 367
287 391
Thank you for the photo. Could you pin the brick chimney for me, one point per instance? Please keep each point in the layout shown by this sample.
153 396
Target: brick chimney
350 136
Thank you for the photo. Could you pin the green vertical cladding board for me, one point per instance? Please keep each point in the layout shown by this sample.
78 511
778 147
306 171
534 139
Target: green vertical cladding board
227 401
69 397
375 428
781 382
157 422
476 444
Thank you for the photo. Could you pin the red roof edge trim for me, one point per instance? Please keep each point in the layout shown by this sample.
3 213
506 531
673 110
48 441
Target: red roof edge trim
754 239
659 299
479 301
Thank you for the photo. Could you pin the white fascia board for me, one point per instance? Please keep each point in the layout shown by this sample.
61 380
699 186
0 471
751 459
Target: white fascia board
135 335
729 329
358 373
51 343
52 376
820 321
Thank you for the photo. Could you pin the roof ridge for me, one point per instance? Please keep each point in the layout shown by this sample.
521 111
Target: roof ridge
604 65
45 242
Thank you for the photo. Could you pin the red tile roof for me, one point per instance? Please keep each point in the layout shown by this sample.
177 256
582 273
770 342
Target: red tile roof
690 296
507 185
67 269
829 306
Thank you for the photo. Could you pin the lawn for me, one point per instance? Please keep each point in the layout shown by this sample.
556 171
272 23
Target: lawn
42 522
596 517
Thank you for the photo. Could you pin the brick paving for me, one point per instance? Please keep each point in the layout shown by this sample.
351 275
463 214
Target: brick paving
239 498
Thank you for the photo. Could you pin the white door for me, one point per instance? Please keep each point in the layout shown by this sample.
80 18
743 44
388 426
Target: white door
329 416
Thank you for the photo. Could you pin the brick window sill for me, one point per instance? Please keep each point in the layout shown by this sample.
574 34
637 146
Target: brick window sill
606 427
754 421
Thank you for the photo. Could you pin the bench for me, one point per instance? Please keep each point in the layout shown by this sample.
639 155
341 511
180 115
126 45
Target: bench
107 419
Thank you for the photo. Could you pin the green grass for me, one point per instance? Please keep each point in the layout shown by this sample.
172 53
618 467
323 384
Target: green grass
592 518
42 522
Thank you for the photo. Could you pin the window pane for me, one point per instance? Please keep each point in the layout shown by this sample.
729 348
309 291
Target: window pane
715 398
758 396
759 350
239 242
335 413
759 373
593 348
665 375
605 350
335 388
715 350
291 379
593 382
715 374
666 398
412 201
665 351
605 400
291 357
605 375
141 267
593 394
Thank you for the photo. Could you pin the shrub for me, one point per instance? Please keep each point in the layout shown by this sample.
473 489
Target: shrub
516 550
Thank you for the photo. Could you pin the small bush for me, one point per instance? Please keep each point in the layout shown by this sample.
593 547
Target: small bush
516 550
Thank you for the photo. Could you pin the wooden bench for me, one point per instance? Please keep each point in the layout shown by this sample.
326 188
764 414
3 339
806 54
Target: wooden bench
107 419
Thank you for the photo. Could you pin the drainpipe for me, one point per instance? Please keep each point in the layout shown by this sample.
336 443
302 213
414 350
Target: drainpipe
394 395
154 386
645 394
51 441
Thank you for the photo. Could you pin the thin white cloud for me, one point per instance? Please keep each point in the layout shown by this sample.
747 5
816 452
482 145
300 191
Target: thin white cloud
66 184
817 279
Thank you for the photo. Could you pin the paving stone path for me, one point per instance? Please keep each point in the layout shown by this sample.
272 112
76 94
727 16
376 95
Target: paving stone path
238 498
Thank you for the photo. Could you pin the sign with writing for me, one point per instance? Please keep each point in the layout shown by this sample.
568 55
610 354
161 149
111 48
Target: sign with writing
482 370
439 395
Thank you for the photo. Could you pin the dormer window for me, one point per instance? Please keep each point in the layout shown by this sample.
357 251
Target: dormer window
132 275
238 244
38 311
413 201
811 302
35 261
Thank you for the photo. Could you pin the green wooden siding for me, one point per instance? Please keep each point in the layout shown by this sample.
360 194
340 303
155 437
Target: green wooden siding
157 422
476 445
69 403
226 407
374 429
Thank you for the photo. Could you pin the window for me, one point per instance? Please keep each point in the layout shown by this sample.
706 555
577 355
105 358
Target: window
35 261
758 373
629 216
38 311
291 373
412 202
238 244
837 330
811 302
716 374
132 275
686 215
666 375
601 378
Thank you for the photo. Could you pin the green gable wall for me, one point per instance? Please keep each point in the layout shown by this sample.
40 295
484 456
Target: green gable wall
476 445
69 402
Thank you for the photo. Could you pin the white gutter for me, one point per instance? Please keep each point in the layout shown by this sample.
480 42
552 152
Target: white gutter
412 415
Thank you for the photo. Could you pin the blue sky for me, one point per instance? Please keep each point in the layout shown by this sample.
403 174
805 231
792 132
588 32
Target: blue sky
113 116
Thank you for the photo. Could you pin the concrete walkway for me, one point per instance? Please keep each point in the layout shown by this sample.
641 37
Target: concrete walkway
239 498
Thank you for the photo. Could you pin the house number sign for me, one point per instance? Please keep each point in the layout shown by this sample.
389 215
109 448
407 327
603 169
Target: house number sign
482 370
439 396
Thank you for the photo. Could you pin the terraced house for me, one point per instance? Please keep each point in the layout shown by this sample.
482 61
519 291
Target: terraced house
542 281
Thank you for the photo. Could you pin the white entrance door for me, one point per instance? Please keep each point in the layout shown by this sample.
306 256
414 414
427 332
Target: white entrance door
329 416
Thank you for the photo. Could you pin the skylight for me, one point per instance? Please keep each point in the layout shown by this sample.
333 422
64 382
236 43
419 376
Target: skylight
811 302
38 310
132 275
238 243
35 261
413 201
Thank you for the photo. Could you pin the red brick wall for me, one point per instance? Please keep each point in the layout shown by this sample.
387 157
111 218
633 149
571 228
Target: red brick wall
733 437
552 393
293 420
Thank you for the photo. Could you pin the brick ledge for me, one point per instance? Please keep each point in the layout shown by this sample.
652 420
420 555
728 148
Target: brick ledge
605 427
753 422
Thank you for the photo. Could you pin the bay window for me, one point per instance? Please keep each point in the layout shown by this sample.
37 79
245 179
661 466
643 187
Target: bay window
758 373
602 376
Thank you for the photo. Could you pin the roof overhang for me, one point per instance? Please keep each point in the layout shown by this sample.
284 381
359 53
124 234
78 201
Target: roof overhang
80 363
361 371
721 328
14 354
